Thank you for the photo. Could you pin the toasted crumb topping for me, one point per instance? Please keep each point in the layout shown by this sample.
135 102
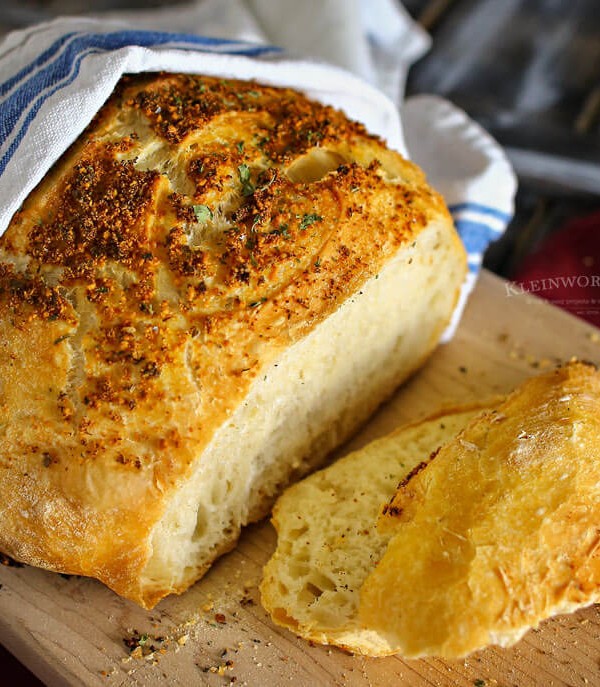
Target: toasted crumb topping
195 227
101 216
179 105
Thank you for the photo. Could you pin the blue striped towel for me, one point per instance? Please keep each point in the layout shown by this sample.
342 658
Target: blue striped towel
55 76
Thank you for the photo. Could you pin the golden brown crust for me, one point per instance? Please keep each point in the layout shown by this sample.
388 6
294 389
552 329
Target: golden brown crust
500 530
195 229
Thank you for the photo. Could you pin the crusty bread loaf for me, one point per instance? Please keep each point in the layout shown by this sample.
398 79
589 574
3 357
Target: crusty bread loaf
501 530
484 538
327 537
209 291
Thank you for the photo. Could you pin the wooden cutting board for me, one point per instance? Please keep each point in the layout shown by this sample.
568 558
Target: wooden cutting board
72 631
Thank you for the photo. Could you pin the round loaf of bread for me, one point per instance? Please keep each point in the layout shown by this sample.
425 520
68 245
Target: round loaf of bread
208 292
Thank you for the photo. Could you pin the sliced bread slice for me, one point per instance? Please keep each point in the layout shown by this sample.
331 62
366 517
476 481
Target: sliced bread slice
328 541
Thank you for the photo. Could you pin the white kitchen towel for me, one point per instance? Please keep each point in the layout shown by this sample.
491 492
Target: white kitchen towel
55 76
471 171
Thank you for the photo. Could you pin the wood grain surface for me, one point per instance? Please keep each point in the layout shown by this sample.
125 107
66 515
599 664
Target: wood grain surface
71 631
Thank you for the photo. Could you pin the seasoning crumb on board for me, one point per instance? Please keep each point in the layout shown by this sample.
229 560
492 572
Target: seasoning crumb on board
148 647
108 673
140 641
535 363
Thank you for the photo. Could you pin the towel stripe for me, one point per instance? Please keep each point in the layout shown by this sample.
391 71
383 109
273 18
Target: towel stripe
478 225
476 236
38 104
7 85
481 209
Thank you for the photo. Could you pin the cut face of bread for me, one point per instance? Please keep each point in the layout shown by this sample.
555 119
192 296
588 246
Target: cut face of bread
328 542
298 410
209 291
500 530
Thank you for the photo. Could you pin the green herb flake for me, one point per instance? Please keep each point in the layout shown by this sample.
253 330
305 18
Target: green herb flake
479 682
61 339
313 135
247 185
309 219
255 304
253 94
203 213
240 146
283 230
250 244
261 141
318 264
244 172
